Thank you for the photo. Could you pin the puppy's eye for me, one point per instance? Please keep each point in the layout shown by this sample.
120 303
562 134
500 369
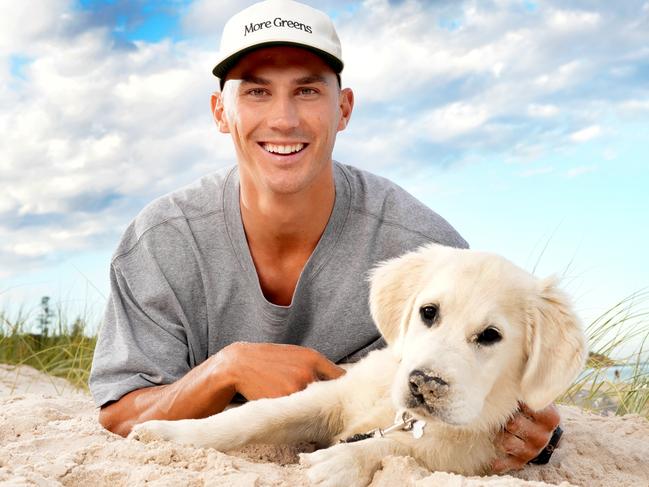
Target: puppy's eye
429 314
489 336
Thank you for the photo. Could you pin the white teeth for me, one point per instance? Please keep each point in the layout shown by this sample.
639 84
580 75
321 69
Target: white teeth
283 149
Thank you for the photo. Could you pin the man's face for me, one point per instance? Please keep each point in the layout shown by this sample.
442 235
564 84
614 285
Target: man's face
283 107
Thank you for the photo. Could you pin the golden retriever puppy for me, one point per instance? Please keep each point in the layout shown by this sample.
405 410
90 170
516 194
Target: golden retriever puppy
469 336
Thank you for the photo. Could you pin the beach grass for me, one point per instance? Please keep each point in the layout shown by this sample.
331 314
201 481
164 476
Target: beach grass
63 350
618 340
616 378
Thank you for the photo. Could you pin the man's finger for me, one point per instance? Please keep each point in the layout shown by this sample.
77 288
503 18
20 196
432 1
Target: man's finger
535 434
517 448
504 441
520 426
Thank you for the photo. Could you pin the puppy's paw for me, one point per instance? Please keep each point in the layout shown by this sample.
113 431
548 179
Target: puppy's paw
151 431
338 466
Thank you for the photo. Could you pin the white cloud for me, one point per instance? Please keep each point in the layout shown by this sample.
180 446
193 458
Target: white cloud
542 111
452 120
562 77
635 105
410 54
574 20
31 249
22 24
586 134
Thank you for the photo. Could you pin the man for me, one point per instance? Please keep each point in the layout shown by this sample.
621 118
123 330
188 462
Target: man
253 280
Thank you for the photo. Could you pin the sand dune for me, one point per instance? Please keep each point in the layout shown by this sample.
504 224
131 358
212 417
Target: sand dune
49 436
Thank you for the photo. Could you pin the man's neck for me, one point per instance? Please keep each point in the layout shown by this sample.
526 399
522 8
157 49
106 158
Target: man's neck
283 224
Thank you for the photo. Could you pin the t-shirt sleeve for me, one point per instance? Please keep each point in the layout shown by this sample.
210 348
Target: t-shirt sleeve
143 340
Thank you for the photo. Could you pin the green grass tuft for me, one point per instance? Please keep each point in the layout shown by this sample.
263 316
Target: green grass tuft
618 342
66 353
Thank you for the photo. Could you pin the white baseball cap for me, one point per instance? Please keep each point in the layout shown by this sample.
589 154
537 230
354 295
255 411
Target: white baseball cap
278 23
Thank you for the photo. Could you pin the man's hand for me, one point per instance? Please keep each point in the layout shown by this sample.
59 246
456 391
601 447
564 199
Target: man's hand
525 435
270 370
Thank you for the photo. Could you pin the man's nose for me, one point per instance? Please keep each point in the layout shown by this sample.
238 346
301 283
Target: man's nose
284 114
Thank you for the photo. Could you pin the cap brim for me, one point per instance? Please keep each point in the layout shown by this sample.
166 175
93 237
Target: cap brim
222 68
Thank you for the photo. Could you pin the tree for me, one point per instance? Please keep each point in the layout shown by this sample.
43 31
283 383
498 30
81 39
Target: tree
45 316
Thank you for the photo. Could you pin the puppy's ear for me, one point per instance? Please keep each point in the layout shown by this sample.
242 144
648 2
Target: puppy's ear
393 287
556 347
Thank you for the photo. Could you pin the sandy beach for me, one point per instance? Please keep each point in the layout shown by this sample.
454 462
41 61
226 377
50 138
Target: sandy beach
49 436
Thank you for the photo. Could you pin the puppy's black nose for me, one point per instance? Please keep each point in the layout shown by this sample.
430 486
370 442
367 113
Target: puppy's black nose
425 385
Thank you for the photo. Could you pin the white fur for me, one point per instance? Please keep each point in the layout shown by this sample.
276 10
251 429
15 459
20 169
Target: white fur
540 354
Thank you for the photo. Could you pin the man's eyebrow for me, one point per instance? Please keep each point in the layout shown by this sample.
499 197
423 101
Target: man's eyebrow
255 80
310 79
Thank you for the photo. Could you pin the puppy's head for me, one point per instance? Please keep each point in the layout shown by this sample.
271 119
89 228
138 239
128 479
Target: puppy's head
474 335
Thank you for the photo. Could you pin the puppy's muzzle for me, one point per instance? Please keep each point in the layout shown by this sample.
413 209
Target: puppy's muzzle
427 387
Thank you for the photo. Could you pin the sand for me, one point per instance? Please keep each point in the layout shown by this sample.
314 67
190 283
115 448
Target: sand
49 436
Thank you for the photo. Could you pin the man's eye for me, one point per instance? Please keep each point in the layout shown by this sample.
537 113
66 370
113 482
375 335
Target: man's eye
308 91
256 92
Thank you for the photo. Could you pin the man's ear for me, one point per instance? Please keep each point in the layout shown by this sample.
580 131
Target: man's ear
556 347
346 107
218 112
393 286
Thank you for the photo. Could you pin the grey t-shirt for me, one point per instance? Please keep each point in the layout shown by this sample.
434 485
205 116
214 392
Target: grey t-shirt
183 283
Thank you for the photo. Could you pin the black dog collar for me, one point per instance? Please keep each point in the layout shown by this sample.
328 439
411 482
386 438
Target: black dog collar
546 453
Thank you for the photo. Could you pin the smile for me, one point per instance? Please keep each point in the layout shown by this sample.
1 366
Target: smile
283 149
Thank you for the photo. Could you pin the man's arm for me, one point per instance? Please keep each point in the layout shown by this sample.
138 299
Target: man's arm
255 370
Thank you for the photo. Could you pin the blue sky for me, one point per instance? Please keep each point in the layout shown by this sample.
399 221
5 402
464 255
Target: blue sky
525 124
130 20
